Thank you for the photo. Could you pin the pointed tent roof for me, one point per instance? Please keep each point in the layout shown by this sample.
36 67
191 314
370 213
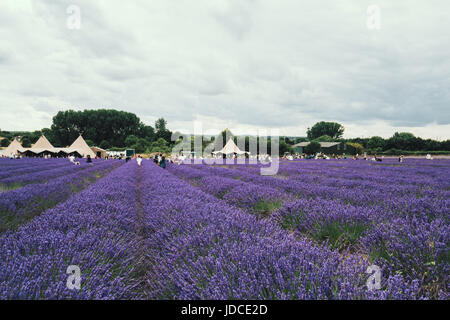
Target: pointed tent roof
81 147
13 147
230 147
43 143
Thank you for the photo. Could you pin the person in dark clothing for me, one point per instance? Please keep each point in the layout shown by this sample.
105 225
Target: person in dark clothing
162 164
89 160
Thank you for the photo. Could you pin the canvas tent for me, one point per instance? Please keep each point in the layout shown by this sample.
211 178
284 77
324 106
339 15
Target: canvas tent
230 148
43 147
14 147
99 152
81 147
42 143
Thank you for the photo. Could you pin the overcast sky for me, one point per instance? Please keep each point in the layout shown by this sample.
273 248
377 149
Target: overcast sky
241 64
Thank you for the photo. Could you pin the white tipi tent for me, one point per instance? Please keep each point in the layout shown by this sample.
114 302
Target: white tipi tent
81 147
13 147
229 148
42 143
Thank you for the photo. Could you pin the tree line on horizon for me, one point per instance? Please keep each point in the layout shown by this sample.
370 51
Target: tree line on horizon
112 129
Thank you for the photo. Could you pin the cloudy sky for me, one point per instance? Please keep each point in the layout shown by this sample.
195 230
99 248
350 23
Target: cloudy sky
241 64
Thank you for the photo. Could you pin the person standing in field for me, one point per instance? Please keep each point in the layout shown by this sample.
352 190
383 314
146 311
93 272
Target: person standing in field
162 164
139 160
89 160
159 158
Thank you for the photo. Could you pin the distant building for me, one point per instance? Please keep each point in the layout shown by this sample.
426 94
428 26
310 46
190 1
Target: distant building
326 147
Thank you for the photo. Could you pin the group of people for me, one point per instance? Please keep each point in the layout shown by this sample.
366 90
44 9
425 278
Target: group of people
77 163
159 160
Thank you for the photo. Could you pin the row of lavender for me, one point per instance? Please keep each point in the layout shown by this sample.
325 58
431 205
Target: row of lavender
196 246
200 247
20 205
403 228
93 230
18 170
40 172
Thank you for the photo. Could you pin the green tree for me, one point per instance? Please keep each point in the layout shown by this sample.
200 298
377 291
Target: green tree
141 145
131 140
301 139
26 141
160 146
358 148
97 125
376 143
324 138
162 131
402 141
332 129
445 145
5 142
104 144
313 147
147 132
284 147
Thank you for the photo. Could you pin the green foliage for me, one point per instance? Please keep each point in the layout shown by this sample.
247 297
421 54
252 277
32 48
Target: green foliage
26 141
332 129
376 143
301 139
162 131
104 144
404 141
265 208
96 125
5 142
131 140
340 235
160 146
90 143
284 147
324 138
312 148
358 148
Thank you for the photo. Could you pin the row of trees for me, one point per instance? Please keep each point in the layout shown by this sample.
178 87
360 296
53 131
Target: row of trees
403 141
112 129
104 128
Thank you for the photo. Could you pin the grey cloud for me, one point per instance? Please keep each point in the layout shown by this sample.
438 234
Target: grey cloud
257 63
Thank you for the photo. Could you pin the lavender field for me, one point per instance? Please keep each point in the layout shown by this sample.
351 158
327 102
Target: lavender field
224 231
